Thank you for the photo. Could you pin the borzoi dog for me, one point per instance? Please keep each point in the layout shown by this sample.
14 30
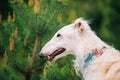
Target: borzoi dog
95 59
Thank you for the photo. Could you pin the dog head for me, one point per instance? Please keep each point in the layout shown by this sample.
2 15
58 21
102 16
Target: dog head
65 40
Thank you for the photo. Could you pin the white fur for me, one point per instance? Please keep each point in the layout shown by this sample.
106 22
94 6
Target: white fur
79 43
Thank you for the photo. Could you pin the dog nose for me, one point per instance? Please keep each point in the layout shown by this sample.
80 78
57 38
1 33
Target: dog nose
41 55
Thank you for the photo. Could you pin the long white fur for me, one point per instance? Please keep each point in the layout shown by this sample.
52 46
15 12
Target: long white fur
79 43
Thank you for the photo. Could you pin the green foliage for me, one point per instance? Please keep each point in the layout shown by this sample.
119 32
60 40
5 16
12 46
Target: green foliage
19 35
60 70
8 73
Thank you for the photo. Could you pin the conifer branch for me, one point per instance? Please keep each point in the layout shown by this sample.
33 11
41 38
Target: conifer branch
51 18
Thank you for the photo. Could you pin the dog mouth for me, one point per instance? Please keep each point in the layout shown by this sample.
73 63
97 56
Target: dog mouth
55 53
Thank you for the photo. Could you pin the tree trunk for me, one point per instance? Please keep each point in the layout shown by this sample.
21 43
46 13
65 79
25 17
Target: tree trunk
29 72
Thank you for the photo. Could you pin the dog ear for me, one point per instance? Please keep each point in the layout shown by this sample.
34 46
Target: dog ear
79 26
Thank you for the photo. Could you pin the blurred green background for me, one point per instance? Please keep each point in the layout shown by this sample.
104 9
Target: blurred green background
26 25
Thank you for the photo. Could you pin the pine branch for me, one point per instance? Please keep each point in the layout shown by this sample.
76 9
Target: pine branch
51 18
46 10
35 50
29 72
21 13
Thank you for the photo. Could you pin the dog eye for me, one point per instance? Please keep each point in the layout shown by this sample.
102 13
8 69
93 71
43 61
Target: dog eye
58 35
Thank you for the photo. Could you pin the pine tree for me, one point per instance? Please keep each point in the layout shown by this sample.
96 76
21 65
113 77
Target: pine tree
24 33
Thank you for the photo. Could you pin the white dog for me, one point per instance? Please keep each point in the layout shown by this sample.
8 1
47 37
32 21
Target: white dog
93 58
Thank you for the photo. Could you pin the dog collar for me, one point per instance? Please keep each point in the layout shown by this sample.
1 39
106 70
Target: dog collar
90 56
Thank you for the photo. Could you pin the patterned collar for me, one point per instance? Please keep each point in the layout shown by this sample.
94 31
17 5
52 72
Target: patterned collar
91 56
88 58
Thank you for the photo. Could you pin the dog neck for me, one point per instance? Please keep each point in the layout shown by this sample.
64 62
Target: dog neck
89 43
86 60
